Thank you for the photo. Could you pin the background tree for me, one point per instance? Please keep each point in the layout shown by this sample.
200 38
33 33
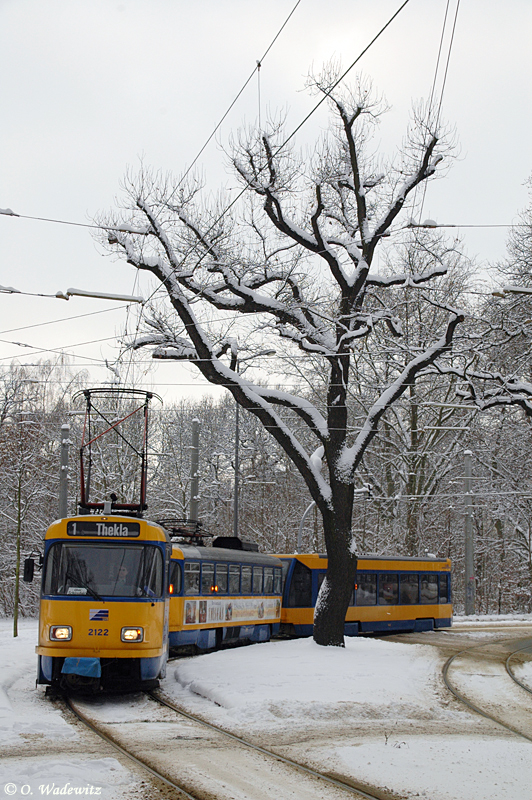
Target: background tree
414 450
34 404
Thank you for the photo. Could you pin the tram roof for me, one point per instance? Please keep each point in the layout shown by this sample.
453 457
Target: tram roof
96 527
373 560
225 555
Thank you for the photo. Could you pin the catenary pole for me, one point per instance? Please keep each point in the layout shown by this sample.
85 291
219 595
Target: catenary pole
237 470
194 471
469 545
63 473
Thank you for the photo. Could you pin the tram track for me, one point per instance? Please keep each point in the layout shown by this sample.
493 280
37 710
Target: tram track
344 784
154 773
190 781
492 663
510 672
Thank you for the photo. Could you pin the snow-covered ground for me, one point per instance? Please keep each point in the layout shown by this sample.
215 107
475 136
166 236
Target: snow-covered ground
376 711
29 725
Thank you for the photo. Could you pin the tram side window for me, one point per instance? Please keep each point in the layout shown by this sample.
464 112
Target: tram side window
428 593
221 577
234 578
246 580
207 578
444 588
277 581
257 580
174 578
388 589
192 578
409 593
366 589
300 595
268 580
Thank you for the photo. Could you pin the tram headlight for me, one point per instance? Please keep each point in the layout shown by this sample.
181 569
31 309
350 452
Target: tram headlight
132 634
60 633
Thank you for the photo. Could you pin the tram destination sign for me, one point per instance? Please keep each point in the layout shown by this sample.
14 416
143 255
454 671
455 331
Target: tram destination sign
118 530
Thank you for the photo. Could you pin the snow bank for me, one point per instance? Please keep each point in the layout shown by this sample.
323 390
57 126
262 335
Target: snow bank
24 711
490 619
266 684
29 721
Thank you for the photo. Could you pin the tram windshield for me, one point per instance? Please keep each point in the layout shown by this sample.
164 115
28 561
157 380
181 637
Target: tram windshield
99 570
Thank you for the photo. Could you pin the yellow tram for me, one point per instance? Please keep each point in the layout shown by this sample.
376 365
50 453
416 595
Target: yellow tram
391 594
104 603
224 594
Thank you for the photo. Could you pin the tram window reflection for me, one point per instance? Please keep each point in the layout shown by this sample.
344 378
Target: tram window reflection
409 594
221 578
444 589
246 580
207 578
366 589
428 588
388 589
192 577
234 578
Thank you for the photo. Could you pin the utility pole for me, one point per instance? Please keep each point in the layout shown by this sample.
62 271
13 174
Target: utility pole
469 545
63 475
300 531
194 471
237 470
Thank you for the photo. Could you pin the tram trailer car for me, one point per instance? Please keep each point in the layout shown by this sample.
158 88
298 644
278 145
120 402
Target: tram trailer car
104 608
390 595
222 595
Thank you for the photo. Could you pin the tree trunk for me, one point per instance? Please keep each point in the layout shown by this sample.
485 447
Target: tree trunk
333 600
335 592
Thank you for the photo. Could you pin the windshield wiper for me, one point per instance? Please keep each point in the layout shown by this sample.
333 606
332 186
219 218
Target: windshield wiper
85 585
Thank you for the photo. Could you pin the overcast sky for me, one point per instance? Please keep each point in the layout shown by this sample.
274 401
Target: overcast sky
90 87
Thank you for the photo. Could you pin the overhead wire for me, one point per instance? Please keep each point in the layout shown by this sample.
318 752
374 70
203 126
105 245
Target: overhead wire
63 319
438 115
239 94
257 68
287 140
215 130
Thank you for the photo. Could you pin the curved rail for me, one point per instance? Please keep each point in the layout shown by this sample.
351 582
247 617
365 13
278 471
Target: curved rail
467 702
138 761
339 784
511 674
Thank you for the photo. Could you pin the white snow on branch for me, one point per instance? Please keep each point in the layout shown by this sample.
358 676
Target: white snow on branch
351 455
316 459
406 279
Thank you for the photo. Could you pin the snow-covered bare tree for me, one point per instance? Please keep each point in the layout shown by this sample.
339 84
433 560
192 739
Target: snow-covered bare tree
414 450
33 406
492 359
292 263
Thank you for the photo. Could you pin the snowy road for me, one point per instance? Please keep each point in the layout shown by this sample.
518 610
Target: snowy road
376 712
480 677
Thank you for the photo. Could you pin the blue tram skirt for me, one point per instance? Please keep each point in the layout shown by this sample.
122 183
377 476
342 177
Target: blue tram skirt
89 667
